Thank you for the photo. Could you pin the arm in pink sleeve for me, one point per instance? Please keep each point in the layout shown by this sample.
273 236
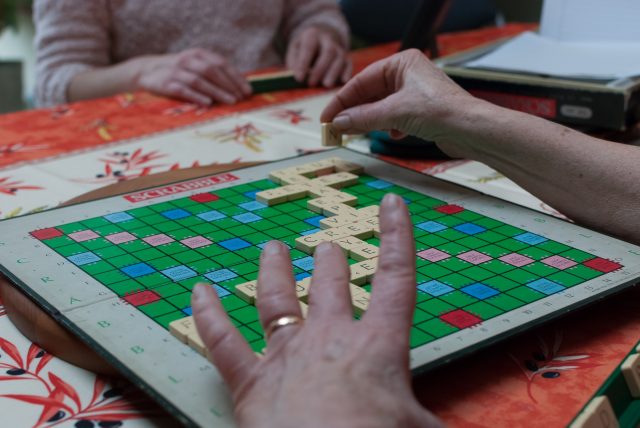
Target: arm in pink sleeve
300 14
72 36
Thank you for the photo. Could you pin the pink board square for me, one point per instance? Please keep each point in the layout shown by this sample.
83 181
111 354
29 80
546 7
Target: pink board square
558 262
83 235
433 255
120 238
196 242
517 260
156 240
474 257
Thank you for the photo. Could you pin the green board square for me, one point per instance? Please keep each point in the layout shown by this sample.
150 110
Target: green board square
245 315
231 303
278 232
456 280
477 273
451 234
484 310
468 215
283 219
494 251
241 230
154 219
230 284
489 236
264 184
165 320
512 244
227 223
432 240
58 242
458 299
434 271
504 302
525 294
508 230
257 238
197 209
416 209
229 259
219 236
258 345
188 284
132 224
299 228
111 277
153 280
249 253
124 288
72 227
435 307
239 199
566 279
157 308
98 267
472 242
180 301
133 246
540 269
243 269
500 283
497 266
453 248
553 247
437 328
431 215
182 233
169 290
187 257
451 221
109 252
211 251
107 230
184 202
201 229
426 201
418 337
96 244
149 254
454 264
95 222
69 250
167 226
249 334
521 276
535 253
577 255
420 316
231 210
172 248
583 272
190 222
163 263
163 206
297 254
140 212
143 232
124 260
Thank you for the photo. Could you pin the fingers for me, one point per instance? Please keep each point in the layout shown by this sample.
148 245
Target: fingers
328 53
306 50
335 72
394 285
276 286
329 294
220 72
177 89
229 351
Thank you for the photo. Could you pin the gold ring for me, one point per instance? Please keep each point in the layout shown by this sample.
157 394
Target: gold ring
281 322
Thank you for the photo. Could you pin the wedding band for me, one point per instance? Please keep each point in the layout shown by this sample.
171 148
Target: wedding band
281 322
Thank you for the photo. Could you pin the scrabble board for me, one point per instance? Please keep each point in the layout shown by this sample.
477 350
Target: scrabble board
119 271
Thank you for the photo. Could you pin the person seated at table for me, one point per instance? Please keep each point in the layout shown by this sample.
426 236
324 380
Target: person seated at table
330 370
194 50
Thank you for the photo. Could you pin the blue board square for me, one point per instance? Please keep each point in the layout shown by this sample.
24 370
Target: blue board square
176 214
434 288
530 238
118 217
545 286
221 275
315 221
212 215
83 258
309 232
379 184
305 263
252 206
188 311
222 292
247 217
479 291
469 228
302 275
431 226
234 244
139 269
179 273
251 194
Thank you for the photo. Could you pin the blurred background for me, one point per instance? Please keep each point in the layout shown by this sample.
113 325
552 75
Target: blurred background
380 21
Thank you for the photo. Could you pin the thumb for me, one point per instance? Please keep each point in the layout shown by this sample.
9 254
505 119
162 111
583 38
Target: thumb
363 118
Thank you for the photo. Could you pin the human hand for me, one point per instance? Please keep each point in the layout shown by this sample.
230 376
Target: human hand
195 75
406 94
329 370
317 55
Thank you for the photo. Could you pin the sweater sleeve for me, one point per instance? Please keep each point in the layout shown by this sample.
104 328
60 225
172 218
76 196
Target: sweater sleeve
71 36
300 14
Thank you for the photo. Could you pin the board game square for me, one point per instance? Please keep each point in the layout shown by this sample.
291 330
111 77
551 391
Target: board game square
204 197
545 286
156 240
460 319
44 234
212 215
602 265
118 217
247 217
530 238
431 226
435 288
83 235
302 275
252 206
469 228
251 194
315 221
221 291
310 231
517 260
142 298
234 244
196 242
119 238
379 184
558 262
433 255
449 209
83 258
139 269
188 311
479 291
305 263
176 214
474 257
179 273
221 275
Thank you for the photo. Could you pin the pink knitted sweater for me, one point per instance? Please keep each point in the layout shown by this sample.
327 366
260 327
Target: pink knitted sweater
77 35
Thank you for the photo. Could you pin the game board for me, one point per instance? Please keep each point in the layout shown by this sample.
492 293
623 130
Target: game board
119 271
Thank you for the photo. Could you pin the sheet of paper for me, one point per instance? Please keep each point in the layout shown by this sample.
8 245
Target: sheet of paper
591 20
532 53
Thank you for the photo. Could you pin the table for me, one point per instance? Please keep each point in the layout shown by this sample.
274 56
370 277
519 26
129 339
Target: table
541 378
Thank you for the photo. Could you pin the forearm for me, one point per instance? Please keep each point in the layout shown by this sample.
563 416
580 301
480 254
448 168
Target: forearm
592 181
106 81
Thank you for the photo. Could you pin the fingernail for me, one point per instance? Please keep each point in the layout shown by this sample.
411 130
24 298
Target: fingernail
342 121
392 201
272 248
323 248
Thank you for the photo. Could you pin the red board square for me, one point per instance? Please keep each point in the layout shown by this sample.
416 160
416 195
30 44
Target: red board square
460 319
44 234
450 209
602 265
142 298
204 197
